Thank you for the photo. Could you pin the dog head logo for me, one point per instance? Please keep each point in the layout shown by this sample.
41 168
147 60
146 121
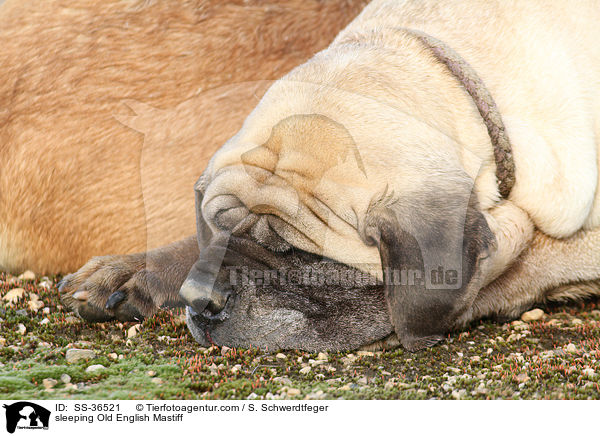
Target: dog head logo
26 415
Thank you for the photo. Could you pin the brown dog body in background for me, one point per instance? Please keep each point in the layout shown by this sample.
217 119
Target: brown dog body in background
82 171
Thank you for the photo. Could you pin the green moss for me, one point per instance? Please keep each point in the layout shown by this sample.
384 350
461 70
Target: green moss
13 384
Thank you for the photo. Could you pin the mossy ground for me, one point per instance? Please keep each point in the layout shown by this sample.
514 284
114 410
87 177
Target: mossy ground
556 357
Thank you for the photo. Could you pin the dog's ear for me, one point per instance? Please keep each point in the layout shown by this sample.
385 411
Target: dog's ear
430 245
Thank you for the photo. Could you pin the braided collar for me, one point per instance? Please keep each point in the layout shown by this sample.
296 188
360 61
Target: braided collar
466 75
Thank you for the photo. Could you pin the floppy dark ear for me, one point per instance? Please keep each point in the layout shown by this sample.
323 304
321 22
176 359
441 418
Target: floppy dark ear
430 245
196 290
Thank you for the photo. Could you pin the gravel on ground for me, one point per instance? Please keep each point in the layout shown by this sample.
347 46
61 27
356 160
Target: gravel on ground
46 352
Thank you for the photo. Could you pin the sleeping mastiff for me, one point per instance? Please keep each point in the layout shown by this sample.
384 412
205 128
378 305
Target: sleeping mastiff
435 165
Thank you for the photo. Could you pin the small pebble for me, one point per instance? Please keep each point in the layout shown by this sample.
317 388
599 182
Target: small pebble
280 356
292 392
522 378
571 348
21 329
457 395
14 295
589 372
333 381
93 368
305 370
133 330
65 378
44 321
225 350
151 373
35 305
213 369
283 380
157 380
323 356
75 354
533 315
27 275
49 383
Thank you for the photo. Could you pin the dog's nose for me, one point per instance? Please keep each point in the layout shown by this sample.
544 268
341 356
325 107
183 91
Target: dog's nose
201 292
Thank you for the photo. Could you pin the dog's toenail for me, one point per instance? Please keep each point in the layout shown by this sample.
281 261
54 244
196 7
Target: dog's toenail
114 299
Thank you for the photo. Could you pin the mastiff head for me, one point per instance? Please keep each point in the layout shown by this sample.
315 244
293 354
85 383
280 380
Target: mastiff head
342 212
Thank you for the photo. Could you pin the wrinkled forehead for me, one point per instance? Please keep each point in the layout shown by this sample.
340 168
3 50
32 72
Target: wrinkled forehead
302 150
305 177
306 159
299 173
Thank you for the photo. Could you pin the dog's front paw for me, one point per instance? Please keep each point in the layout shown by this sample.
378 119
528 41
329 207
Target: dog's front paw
110 287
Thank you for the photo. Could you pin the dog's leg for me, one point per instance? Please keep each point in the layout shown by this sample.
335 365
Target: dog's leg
513 230
549 269
130 287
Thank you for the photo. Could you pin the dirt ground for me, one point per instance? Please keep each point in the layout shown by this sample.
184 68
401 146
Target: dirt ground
555 357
